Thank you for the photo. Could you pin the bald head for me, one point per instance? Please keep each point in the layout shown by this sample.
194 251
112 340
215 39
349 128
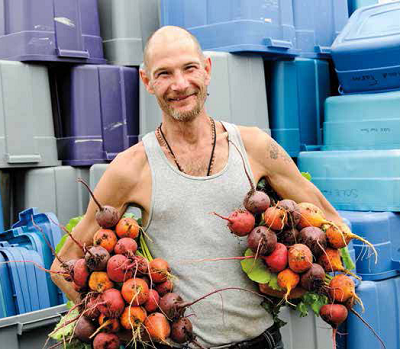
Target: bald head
169 35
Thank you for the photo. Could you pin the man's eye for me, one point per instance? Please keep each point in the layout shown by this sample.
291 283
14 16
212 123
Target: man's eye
162 73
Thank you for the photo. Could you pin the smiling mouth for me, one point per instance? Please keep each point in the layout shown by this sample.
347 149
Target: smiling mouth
177 99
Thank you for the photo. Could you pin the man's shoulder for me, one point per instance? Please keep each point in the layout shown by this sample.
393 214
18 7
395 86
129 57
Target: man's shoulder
128 164
253 137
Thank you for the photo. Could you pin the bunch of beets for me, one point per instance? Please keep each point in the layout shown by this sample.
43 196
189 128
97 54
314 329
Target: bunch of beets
126 298
296 242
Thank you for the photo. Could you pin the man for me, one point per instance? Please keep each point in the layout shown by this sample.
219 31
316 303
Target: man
183 172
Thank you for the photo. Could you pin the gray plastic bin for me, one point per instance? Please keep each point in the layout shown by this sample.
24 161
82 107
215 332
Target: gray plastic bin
308 332
52 189
30 330
26 125
125 26
237 93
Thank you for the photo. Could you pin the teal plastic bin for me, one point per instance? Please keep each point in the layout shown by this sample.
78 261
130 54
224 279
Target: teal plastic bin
356 180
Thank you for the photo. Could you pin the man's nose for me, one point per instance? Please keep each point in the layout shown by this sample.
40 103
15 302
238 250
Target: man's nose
180 82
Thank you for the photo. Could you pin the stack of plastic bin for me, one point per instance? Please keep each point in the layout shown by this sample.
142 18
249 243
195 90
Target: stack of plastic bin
358 169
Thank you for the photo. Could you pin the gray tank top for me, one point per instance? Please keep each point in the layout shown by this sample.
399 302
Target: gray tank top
183 228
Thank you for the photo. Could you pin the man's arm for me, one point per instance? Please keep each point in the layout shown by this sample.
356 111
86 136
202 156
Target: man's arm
117 188
268 159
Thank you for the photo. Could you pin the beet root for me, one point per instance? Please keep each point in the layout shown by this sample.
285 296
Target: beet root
240 222
292 210
158 327
333 314
84 329
81 273
313 278
288 237
97 258
126 246
170 305
182 330
262 240
106 341
315 239
117 268
256 201
111 303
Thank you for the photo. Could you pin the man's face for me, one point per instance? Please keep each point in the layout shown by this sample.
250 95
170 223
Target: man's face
178 77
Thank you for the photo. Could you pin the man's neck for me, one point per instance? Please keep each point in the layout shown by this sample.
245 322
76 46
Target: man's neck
190 132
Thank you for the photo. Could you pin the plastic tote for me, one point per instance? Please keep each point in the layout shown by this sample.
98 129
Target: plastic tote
356 180
50 30
366 53
362 121
235 26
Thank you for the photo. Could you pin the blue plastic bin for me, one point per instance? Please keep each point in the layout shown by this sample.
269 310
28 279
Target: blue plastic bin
382 312
296 93
366 53
358 180
257 26
96 114
317 25
362 121
356 4
7 306
382 229
50 30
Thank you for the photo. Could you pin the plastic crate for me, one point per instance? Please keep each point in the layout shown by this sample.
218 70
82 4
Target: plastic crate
237 94
26 125
49 224
125 26
358 180
97 112
356 4
382 230
7 306
382 312
308 332
30 330
317 24
366 53
235 26
362 121
306 84
65 197
50 30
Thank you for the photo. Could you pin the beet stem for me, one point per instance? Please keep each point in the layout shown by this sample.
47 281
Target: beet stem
253 188
39 267
218 215
369 326
80 180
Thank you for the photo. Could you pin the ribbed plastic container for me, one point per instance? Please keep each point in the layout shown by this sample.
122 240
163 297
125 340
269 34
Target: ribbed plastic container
382 312
237 94
125 26
308 332
28 283
97 112
362 121
65 197
381 229
356 4
317 24
257 26
358 180
26 125
30 330
306 84
50 30
366 53
26 234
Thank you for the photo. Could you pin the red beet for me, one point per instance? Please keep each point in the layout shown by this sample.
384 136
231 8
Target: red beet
97 258
84 329
262 240
240 222
256 201
126 246
182 330
106 341
117 268
315 239
313 278
111 303
81 273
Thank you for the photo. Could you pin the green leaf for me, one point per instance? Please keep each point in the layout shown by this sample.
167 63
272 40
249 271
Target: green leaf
70 304
306 175
62 332
257 271
346 258
71 225
311 300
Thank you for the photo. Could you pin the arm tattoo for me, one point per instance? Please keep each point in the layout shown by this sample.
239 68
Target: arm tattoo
275 152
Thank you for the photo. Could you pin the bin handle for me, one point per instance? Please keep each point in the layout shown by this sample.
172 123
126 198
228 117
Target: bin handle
278 44
32 325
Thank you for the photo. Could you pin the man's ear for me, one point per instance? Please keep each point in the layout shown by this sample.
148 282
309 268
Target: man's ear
146 80
207 67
